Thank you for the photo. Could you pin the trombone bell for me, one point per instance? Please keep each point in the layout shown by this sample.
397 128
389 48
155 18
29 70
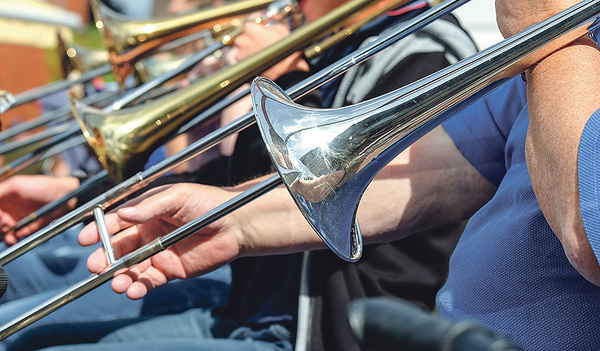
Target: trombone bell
312 149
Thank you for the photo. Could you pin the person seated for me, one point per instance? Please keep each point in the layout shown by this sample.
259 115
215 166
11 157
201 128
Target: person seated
261 307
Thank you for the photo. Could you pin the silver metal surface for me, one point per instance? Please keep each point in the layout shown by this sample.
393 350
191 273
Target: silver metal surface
328 157
104 235
6 101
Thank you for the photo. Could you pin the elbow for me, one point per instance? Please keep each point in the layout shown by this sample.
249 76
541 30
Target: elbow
579 253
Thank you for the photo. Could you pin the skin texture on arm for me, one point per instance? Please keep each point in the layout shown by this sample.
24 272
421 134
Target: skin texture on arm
556 124
560 103
429 180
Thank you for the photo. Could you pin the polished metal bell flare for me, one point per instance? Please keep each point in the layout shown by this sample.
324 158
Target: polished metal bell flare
310 149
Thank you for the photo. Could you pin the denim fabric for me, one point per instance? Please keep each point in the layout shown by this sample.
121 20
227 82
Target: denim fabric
195 329
59 263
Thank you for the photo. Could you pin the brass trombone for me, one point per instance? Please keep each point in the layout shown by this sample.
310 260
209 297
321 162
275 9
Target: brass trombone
128 41
62 133
140 39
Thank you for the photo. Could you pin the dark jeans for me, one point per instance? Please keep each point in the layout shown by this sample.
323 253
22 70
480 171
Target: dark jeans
49 269
195 329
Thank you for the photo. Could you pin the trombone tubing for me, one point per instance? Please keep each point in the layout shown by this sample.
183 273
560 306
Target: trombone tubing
141 179
54 87
58 114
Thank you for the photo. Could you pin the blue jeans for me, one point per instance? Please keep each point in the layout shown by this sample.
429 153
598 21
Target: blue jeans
195 329
61 262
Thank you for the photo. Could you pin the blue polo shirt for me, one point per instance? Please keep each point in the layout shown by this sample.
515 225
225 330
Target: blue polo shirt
509 271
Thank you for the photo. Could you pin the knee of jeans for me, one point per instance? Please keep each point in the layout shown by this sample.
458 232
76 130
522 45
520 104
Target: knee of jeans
273 333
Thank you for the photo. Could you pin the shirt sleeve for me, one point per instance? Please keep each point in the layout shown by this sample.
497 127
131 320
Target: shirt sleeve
589 180
481 130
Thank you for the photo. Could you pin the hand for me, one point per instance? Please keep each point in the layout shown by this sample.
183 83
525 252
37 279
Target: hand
159 212
257 37
21 195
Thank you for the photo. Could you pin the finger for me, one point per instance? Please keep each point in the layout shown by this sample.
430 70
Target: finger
123 243
146 281
123 280
10 239
6 224
162 205
138 280
89 235
121 283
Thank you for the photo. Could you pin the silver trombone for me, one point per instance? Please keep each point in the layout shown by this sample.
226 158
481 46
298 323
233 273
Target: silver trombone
142 179
145 177
71 133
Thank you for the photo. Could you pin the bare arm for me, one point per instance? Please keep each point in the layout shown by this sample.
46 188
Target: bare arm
556 124
561 98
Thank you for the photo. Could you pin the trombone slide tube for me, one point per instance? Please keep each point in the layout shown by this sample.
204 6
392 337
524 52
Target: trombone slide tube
37 137
78 290
56 115
141 179
28 159
51 88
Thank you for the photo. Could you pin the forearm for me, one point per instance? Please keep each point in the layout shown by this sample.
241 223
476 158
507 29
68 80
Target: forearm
561 99
427 185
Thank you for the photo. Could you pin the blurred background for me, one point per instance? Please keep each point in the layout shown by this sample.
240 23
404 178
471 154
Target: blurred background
28 40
